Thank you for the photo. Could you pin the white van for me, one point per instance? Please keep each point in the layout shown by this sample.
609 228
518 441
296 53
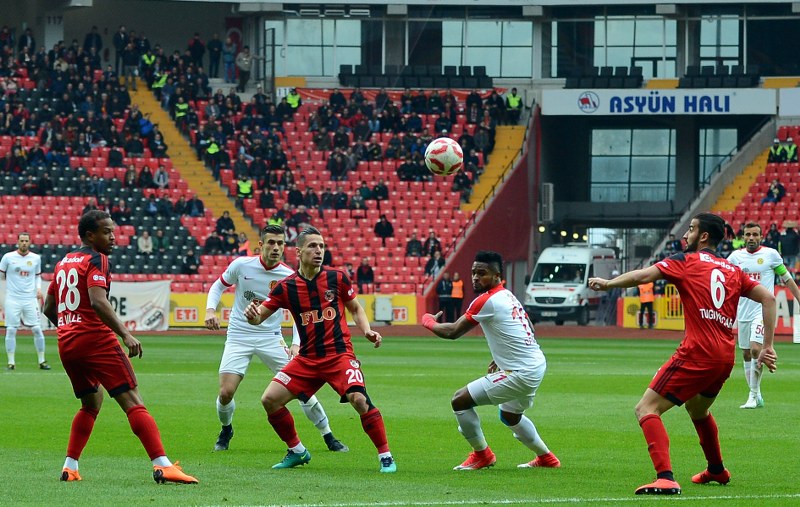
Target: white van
558 290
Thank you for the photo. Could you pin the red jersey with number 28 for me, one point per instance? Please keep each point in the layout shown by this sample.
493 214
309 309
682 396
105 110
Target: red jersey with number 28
710 288
78 323
317 306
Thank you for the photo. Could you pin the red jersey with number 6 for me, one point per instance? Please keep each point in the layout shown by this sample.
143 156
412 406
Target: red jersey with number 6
317 306
710 288
78 323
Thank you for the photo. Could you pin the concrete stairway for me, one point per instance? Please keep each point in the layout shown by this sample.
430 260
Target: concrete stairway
193 171
508 142
734 192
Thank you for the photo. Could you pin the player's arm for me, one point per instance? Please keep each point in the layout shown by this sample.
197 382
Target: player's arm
257 313
362 322
448 330
39 287
294 348
212 301
787 279
760 294
49 309
104 310
629 279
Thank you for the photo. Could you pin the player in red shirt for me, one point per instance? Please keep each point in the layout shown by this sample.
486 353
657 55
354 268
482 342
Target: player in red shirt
710 288
317 296
77 303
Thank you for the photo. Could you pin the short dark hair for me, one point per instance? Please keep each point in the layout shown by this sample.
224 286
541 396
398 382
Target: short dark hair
493 259
305 233
712 224
90 222
750 225
24 233
272 229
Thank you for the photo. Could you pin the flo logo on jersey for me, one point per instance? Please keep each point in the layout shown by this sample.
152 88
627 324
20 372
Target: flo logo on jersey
315 316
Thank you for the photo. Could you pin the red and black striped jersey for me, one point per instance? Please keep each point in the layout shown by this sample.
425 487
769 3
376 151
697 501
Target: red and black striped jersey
78 323
318 308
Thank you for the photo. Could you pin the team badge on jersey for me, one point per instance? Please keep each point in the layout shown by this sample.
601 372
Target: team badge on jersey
329 295
272 284
354 363
760 260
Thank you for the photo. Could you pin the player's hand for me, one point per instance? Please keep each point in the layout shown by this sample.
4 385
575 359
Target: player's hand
374 337
492 367
429 320
293 351
212 321
134 346
253 313
769 358
598 284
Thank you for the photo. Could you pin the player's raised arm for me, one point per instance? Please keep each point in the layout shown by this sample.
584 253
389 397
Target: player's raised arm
629 279
362 322
448 330
104 310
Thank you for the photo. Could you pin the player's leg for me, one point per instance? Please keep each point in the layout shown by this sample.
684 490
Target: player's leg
79 433
274 401
13 321
648 412
372 423
463 404
756 344
30 317
236 358
746 330
707 430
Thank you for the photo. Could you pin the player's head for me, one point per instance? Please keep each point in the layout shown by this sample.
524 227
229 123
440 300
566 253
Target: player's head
310 247
752 236
706 230
23 242
272 243
487 269
96 230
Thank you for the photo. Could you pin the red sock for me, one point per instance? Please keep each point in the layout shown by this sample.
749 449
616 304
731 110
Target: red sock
283 424
372 422
709 439
657 442
144 427
81 430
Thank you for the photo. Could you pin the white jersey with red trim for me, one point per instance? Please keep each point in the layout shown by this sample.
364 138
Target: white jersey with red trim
21 272
507 329
760 266
253 281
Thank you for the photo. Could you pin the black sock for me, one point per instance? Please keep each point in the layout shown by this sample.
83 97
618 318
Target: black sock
716 469
666 475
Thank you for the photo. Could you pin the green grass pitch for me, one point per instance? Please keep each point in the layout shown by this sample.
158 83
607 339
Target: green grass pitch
584 411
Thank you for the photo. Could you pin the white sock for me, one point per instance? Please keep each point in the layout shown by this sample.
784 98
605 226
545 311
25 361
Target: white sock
384 455
316 414
755 378
11 344
38 342
298 449
469 424
162 461
225 412
525 432
747 368
70 463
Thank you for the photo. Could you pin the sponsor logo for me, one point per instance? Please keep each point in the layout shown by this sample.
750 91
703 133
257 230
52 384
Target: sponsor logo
283 378
315 316
99 278
185 314
71 260
588 102
656 103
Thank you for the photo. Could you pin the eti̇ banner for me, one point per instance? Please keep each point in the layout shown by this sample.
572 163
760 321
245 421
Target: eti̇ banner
142 306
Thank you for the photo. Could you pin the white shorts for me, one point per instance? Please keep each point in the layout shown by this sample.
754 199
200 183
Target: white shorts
512 391
239 350
25 312
751 331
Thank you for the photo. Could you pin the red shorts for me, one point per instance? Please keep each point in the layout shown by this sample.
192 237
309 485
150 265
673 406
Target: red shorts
304 376
679 380
108 367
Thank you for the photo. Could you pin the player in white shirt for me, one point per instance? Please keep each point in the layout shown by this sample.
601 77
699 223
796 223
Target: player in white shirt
517 368
22 270
762 264
254 277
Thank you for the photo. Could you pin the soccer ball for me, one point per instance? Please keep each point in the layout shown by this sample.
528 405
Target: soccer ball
443 156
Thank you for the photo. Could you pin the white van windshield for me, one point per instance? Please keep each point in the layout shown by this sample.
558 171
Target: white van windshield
559 273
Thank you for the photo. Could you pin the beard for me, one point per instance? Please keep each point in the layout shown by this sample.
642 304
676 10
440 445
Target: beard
691 247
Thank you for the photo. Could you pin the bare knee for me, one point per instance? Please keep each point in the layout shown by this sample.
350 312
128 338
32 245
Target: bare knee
226 395
755 350
359 402
746 354
270 404
462 400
